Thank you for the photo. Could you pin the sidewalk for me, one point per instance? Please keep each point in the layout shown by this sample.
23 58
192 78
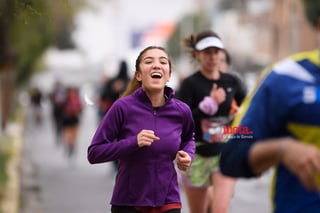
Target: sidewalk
10 203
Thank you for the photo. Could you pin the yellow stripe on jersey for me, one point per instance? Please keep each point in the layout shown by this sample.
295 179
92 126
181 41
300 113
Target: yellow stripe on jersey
313 56
306 133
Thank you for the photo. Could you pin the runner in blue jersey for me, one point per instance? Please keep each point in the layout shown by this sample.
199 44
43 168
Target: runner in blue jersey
282 121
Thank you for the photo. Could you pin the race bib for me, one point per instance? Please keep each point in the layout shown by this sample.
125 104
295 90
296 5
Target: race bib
213 129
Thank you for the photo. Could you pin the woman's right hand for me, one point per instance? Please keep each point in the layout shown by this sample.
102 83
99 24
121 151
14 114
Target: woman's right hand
146 138
218 94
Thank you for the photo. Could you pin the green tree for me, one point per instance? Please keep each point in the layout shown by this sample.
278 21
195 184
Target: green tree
30 27
312 11
27 29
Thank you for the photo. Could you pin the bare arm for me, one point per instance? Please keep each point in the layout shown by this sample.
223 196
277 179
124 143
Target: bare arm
301 159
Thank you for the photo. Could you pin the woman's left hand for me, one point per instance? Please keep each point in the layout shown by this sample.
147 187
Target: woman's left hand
183 160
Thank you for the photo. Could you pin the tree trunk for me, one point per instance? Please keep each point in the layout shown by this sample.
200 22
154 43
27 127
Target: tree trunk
7 87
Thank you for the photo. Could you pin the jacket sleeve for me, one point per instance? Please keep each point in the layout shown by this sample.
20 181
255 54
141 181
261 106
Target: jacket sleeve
234 159
103 147
187 137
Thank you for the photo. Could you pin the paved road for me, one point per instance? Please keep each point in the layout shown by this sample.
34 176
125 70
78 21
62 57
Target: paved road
50 184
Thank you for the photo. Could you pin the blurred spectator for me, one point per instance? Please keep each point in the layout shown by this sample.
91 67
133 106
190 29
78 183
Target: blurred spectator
113 88
57 98
36 97
72 110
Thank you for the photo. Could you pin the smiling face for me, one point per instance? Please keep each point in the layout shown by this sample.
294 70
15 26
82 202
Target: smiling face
154 70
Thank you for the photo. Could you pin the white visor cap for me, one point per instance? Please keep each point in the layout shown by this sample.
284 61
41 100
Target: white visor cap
209 42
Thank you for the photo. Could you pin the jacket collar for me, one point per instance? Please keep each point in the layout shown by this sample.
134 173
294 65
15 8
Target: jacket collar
140 93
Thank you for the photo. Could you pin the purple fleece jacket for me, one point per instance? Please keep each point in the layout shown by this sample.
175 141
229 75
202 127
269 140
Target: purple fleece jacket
147 175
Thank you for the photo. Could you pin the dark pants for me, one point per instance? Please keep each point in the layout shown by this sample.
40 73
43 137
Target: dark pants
130 209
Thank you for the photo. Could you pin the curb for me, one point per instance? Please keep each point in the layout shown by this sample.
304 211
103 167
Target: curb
10 203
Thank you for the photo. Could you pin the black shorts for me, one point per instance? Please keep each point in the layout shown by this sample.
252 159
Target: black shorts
70 121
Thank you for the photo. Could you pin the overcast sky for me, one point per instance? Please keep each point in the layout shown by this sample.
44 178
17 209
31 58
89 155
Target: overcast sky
103 30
